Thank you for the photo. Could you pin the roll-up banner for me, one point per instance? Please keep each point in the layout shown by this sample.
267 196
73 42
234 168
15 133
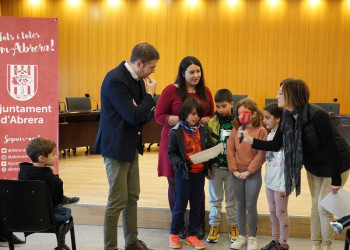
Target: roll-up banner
28 87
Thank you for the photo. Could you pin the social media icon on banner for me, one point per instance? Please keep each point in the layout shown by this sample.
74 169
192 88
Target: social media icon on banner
3 164
3 169
3 157
3 150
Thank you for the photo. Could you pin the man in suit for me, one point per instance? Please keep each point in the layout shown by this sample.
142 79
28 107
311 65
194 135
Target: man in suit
127 103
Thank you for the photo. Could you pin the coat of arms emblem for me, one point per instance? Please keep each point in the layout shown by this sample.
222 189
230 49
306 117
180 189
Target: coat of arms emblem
22 81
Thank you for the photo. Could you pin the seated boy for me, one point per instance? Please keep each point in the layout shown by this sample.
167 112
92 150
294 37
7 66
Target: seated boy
43 154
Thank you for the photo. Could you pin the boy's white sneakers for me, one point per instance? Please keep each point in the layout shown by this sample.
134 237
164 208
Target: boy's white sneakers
252 243
239 243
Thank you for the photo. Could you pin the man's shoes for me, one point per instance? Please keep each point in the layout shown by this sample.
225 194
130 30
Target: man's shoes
139 245
213 235
69 201
195 242
201 230
338 227
64 247
233 233
16 241
183 231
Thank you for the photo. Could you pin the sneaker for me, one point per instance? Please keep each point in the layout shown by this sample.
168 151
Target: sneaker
233 233
239 243
16 241
64 247
269 246
183 231
195 242
201 230
69 201
338 227
252 243
280 247
174 241
213 234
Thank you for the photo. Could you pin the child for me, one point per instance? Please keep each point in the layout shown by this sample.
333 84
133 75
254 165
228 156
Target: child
275 184
187 138
245 163
340 224
221 180
43 154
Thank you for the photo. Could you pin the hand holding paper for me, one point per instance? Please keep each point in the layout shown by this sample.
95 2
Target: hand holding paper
337 204
207 154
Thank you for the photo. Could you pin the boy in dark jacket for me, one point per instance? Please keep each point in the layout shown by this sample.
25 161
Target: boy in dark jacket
185 139
43 154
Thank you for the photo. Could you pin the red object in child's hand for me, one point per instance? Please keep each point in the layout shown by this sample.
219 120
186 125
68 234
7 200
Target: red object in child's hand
245 118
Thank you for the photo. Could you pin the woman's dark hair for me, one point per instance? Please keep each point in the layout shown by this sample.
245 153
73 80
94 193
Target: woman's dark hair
253 107
274 110
180 79
223 95
296 92
187 107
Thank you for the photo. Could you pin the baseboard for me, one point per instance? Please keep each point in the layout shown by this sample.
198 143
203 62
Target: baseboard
88 214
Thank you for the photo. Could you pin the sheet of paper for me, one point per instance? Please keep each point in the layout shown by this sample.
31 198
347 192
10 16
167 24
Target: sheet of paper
207 154
337 204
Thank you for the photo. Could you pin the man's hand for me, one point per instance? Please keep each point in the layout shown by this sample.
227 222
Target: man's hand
151 85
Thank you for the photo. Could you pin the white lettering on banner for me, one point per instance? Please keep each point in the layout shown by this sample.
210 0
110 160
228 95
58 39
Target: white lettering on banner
20 109
6 37
8 139
25 120
17 156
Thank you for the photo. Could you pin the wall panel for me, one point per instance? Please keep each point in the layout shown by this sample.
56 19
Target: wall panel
248 48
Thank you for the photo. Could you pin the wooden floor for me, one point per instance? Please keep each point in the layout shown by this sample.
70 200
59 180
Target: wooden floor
85 176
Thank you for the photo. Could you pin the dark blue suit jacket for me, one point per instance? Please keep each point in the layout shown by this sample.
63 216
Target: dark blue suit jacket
120 129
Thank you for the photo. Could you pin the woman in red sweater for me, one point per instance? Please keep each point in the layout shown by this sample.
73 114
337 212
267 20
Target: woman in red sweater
189 83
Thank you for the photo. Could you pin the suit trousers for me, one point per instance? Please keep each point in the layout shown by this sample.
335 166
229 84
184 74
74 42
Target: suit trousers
124 190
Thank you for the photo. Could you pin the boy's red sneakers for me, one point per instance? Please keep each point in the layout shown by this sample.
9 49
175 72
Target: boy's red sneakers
174 241
195 242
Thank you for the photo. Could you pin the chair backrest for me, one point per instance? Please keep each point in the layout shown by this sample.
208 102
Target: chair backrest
330 107
25 206
269 101
236 99
78 104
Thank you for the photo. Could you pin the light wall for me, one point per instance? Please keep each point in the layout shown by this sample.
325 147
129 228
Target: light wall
247 46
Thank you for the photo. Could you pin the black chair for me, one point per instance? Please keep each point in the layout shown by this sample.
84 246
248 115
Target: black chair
269 101
347 239
236 99
25 206
155 98
75 104
330 107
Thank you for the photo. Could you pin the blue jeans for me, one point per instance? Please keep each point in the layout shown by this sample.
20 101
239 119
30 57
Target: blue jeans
188 190
124 191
